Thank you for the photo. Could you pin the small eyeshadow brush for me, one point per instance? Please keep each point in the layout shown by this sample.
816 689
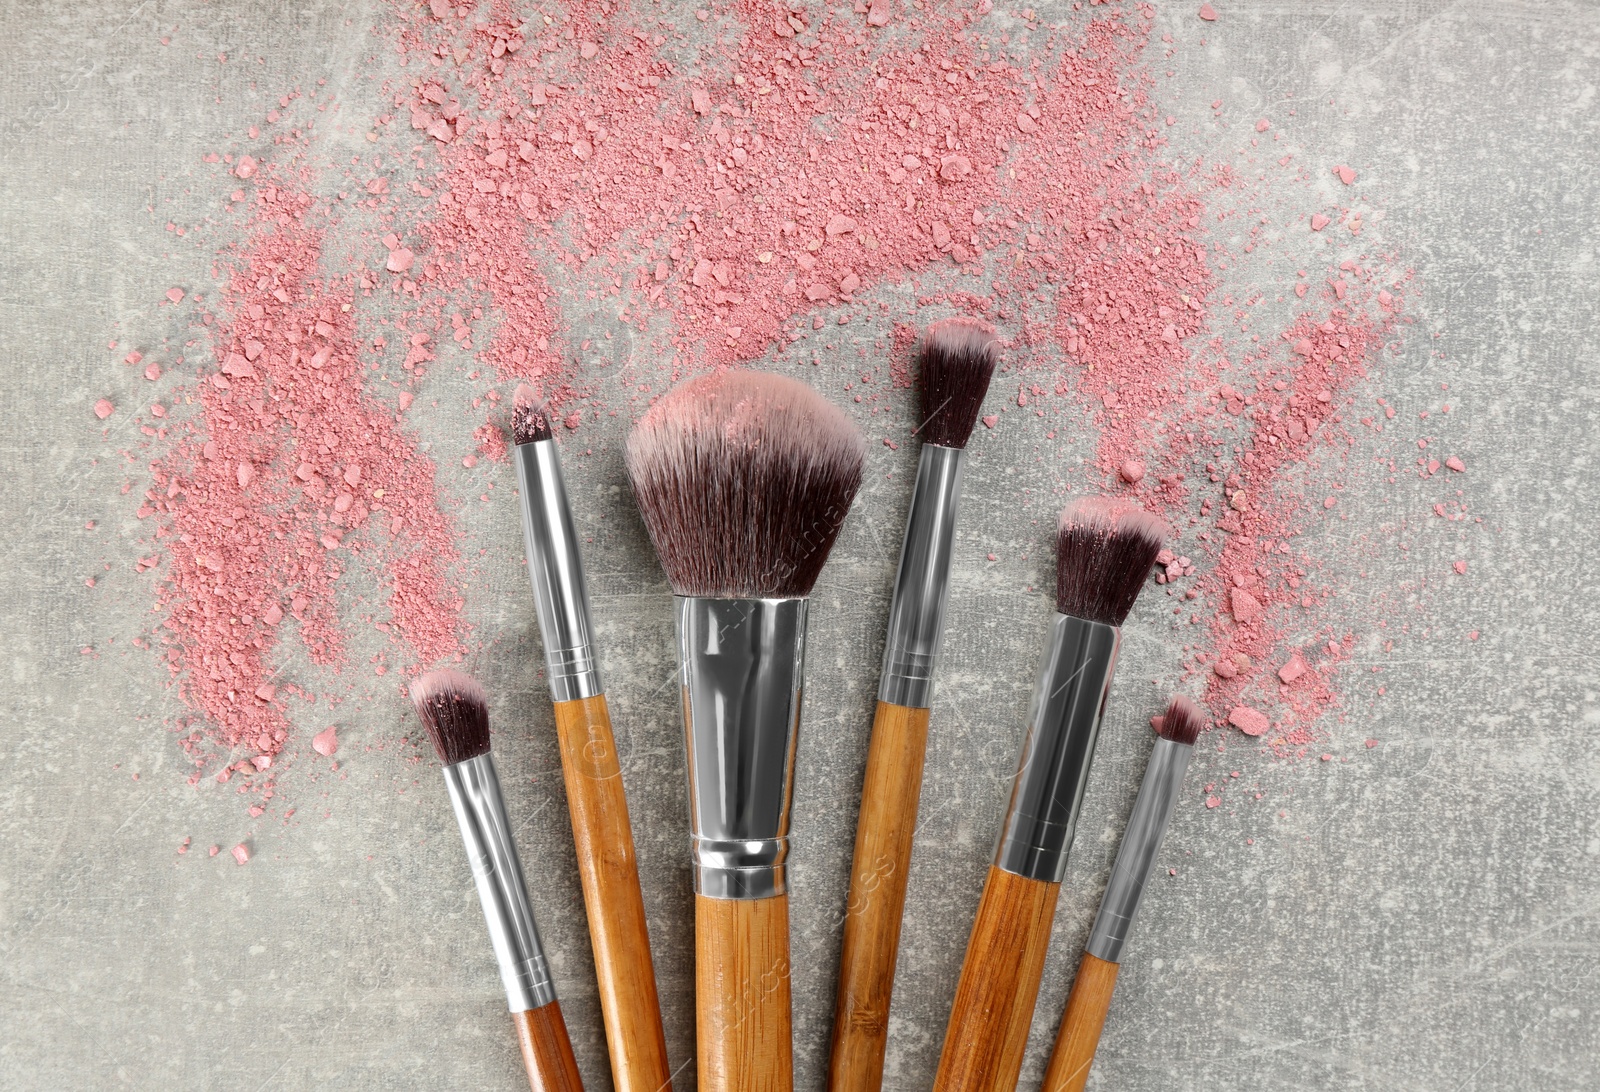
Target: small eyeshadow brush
607 867
453 709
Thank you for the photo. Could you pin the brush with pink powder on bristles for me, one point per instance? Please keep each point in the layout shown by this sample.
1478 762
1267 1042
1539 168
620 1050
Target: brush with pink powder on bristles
743 480
455 712
1104 553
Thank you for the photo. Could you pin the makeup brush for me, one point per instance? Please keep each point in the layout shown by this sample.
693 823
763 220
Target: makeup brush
453 709
1104 552
743 479
955 364
607 867
1097 971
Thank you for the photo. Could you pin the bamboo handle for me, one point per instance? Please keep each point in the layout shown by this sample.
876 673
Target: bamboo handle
1080 1026
741 993
546 1050
609 873
999 983
877 900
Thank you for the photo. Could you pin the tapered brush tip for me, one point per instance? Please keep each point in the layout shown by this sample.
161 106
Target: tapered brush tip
744 479
530 416
956 362
455 712
1182 722
1104 551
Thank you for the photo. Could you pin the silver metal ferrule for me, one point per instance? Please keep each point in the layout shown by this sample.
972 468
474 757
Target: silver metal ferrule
555 567
481 812
922 586
742 662
1163 779
1063 721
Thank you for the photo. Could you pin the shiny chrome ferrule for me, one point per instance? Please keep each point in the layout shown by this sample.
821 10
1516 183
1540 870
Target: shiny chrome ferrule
922 586
555 567
481 812
1063 721
742 667
1158 794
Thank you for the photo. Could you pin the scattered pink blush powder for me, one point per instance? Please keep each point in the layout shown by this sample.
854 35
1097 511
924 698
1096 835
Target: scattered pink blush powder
1132 471
1250 721
241 853
104 408
1346 175
1460 567
326 742
1455 464
1208 13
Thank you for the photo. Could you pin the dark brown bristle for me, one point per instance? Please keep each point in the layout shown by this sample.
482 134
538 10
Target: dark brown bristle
1182 722
1104 551
957 360
744 479
453 709
530 416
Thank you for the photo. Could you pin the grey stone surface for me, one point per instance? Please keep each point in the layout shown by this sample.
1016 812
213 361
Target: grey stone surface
1419 917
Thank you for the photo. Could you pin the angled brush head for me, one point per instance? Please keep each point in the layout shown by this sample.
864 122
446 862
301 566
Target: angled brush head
454 710
1182 722
956 362
530 416
1104 552
744 479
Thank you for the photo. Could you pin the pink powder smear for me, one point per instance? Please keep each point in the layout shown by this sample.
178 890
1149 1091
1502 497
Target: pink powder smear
723 211
291 473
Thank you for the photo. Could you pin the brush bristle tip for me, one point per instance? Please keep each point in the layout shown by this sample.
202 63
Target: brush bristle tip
956 362
1182 722
1104 552
530 416
455 712
744 479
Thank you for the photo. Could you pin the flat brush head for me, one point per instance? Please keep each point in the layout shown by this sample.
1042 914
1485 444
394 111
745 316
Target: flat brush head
530 416
744 479
453 709
1182 722
1104 551
957 360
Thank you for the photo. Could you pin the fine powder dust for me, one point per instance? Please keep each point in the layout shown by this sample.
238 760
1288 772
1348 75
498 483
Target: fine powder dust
728 191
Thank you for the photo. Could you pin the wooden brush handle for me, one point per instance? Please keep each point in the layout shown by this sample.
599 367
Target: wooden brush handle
546 1050
999 983
878 877
1080 1026
741 994
610 877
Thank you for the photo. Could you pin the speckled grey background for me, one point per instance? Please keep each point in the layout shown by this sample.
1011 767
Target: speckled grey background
1418 915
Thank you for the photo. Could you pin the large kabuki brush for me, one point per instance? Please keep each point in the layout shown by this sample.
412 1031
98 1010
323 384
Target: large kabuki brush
453 709
1081 1024
607 867
1104 552
955 364
743 480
